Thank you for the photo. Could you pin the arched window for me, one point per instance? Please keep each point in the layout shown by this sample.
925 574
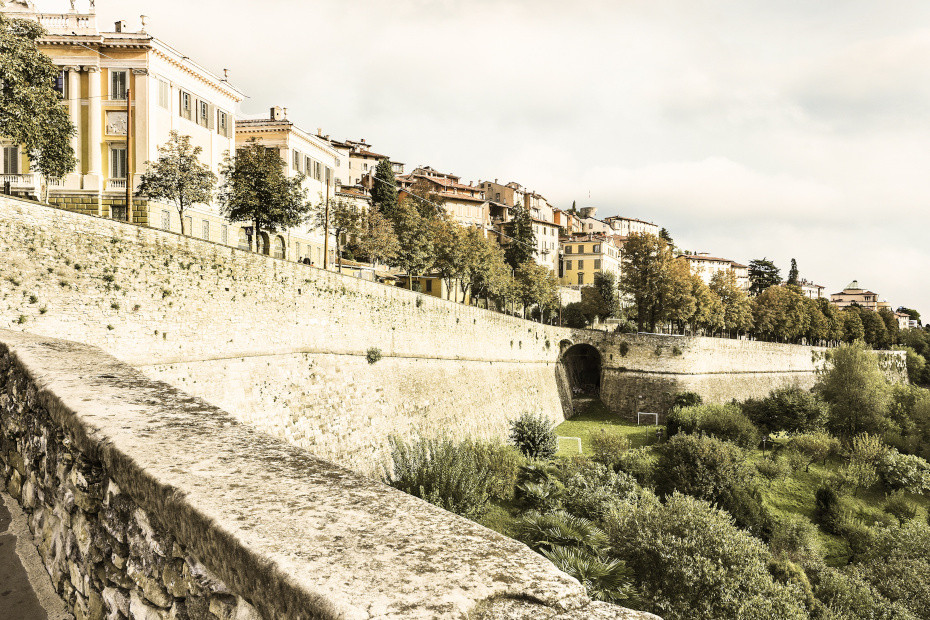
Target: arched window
263 245
279 247
244 241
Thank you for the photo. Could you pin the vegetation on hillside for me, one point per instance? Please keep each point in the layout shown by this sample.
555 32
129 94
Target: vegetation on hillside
829 521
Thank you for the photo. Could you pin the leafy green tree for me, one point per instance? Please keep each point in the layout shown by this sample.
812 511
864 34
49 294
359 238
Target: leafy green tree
256 188
709 313
690 561
853 330
737 308
376 240
680 303
606 284
891 326
491 276
788 409
666 236
415 254
762 274
344 220
793 274
31 113
178 176
645 277
856 391
813 446
873 328
384 189
521 246
457 250
536 285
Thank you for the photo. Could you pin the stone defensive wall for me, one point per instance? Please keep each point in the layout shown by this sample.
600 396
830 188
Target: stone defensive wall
148 503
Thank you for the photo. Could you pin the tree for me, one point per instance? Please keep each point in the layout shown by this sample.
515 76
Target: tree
737 309
856 390
891 327
606 284
384 189
852 325
415 254
666 236
762 274
31 113
345 220
793 273
522 243
491 277
644 277
256 188
680 305
709 313
376 240
178 176
536 285
456 251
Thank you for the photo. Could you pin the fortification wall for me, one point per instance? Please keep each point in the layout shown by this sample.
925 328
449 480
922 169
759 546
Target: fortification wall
148 503
279 344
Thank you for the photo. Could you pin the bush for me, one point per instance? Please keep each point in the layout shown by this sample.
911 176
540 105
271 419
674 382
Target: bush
787 409
897 565
814 446
501 466
559 529
847 595
712 470
441 472
691 561
827 512
900 507
795 537
904 471
856 391
537 488
775 468
607 447
533 436
603 579
373 355
638 463
593 492
687 399
725 422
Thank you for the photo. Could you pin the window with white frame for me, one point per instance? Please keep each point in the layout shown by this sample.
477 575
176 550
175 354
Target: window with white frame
60 84
166 220
296 160
222 123
11 160
119 82
206 230
224 234
204 114
118 161
317 171
164 94
186 107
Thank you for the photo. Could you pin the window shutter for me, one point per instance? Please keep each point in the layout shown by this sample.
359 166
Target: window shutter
211 114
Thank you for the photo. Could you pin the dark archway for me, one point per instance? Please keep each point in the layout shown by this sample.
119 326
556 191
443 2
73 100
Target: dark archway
582 364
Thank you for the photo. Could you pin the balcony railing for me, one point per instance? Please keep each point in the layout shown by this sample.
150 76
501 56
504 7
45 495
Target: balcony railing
20 181
114 185
67 23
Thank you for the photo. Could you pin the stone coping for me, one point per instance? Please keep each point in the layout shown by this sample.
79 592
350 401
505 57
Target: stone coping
282 528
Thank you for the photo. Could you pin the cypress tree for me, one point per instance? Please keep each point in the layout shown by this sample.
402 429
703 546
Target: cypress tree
384 189
522 242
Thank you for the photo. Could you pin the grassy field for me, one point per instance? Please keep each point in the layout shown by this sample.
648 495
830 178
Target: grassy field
594 419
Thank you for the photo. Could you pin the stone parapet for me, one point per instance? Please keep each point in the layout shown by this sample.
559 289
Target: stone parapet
148 503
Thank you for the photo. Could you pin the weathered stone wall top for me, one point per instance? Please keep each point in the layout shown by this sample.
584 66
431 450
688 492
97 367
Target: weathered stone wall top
295 536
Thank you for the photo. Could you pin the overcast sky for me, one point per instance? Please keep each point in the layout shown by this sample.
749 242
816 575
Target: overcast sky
748 129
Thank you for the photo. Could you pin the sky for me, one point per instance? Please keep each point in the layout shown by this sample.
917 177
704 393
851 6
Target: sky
749 129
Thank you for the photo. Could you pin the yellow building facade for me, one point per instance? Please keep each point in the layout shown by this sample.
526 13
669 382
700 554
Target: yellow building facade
583 258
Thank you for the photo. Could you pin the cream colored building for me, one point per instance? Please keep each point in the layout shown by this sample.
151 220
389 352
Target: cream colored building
809 289
586 256
625 226
102 71
854 294
466 204
707 266
547 244
305 154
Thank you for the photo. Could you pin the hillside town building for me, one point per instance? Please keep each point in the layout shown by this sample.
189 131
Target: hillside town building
707 266
584 257
853 294
466 204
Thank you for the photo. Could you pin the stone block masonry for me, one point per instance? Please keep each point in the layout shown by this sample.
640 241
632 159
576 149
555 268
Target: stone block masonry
149 504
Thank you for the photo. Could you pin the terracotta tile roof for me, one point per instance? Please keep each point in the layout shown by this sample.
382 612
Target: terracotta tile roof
369 154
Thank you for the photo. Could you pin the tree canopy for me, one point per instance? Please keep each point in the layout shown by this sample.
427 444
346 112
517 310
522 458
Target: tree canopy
762 274
522 243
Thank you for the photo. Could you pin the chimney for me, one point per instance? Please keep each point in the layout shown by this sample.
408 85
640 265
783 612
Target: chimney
278 114
120 26
319 131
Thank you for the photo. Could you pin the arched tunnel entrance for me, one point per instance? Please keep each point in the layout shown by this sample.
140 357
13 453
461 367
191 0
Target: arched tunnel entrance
582 364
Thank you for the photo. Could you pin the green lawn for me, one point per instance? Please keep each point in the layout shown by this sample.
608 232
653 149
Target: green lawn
594 419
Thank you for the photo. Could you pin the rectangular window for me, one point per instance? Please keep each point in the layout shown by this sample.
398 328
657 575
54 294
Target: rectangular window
222 123
568 249
166 220
581 264
118 162
317 171
164 94
206 230
204 115
224 234
296 160
580 278
329 175
11 160
597 263
189 225
568 264
186 108
118 84
429 286
60 84
597 248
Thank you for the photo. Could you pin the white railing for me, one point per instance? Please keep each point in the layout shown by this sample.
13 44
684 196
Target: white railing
19 180
116 184
66 23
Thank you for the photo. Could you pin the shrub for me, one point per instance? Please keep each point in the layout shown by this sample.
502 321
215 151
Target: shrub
904 471
814 446
687 399
794 536
847 595
827 511
726 422
856 391
593 492
22 319
500 465
441 472
897 564
775 468
638 463
537 488
607 580
373 355
787 409
559 529
691 561
533 436
900 507
712 470
607 447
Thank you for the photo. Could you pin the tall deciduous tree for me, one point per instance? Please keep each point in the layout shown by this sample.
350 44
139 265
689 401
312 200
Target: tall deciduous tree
376 239
536 285
344 220
384 189
737 309
415 254
178 176
522 243
644 277
256 188
856 390
31 113
762 274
